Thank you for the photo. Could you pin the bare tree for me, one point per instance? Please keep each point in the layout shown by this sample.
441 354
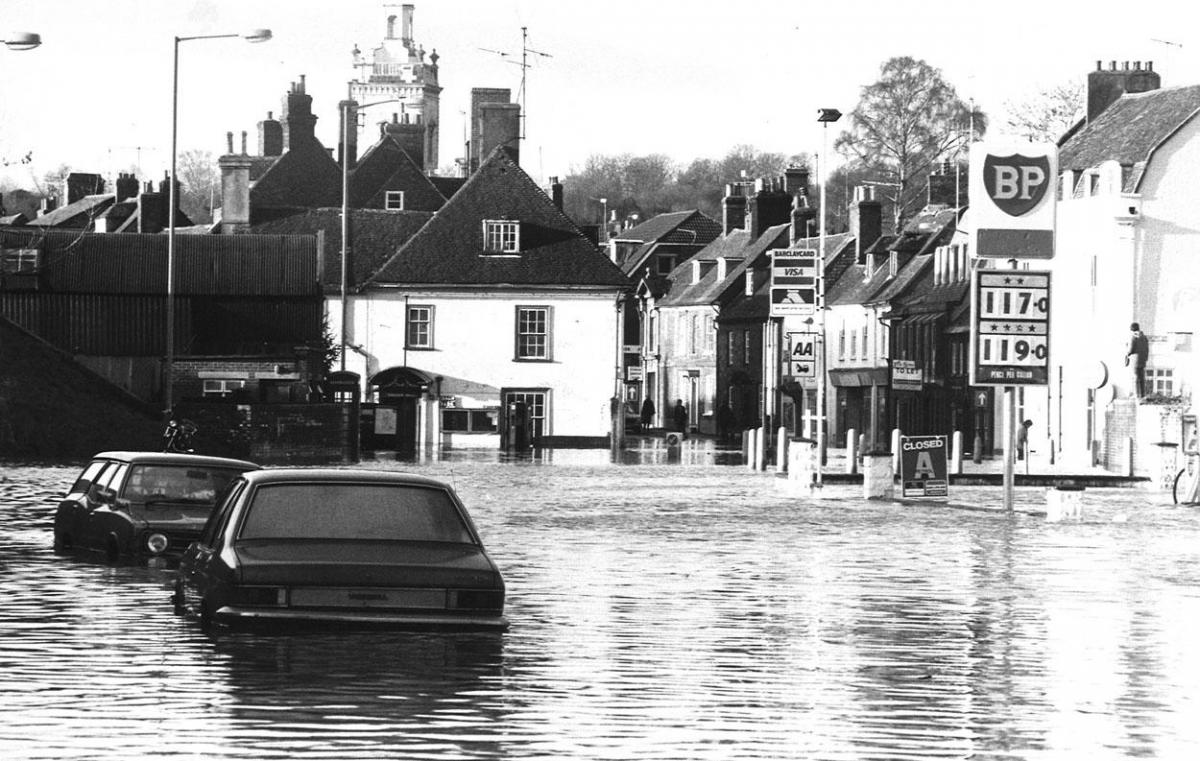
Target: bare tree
1047 114
903 125
199 180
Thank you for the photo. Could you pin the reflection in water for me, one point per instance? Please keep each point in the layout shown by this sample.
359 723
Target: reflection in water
659 609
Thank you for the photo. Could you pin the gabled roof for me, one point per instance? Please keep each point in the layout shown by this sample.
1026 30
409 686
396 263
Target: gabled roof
690 226
449 250
305 175
736 247
387 166
375 235
1130 129
448 186
131 263
78 215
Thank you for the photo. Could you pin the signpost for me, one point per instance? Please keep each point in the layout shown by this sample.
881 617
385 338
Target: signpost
1012 187
796 276
923 471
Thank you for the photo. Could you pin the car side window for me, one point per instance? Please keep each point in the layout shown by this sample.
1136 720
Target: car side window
102 479
87 476
215 526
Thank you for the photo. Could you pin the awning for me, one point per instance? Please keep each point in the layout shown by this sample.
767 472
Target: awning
870 376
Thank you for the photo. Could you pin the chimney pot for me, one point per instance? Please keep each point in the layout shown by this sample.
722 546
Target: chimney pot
229 142
1137 65
1112 65
243 142
1099 65
1149 65
302 83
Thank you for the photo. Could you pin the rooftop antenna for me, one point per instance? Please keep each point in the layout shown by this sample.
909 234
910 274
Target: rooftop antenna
524 64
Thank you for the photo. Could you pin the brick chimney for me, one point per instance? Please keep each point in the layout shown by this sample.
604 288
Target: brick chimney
556 193
127 187
500 125
943 191
152 209
270 136
410 136
482 98
733 207
796 179
803 218
299 124
1105 86
769 206
235 190
76 185
866 221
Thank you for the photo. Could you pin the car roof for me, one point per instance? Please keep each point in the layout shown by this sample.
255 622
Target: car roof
340 475
176 458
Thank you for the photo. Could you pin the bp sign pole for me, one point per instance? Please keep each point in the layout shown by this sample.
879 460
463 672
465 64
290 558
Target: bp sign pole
1012 187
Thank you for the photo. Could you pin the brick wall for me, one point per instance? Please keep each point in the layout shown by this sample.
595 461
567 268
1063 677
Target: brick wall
273 434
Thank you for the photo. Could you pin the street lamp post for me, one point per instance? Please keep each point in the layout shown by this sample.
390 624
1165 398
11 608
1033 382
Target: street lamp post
23 41
345 269
254 35
824 116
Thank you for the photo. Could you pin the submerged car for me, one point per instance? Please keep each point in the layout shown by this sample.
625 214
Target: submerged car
341 547
142 504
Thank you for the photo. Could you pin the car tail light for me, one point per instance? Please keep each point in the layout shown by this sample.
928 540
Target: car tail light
261 596
156 544
477 599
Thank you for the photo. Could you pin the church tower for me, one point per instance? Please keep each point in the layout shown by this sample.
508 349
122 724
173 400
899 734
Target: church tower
399 70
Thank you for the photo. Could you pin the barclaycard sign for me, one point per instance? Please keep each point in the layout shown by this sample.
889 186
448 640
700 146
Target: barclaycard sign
1013 191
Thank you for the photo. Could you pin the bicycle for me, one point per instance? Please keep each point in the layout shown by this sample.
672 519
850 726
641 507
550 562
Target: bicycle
1187 480
178 436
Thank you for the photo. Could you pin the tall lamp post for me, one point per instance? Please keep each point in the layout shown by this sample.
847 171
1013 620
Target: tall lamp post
254 35
824 116
23 41
345 271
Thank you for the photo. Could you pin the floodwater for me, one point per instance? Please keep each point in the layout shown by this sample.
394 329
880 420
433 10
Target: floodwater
681 609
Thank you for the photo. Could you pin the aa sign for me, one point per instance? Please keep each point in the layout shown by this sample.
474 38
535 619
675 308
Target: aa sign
1013 192
802 355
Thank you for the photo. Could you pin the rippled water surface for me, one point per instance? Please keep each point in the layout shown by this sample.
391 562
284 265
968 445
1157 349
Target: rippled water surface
659 611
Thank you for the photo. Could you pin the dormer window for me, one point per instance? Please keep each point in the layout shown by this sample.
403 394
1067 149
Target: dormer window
501 236
394 200
893 264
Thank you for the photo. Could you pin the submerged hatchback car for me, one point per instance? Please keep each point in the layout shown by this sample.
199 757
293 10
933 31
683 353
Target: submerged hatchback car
327 546
142 504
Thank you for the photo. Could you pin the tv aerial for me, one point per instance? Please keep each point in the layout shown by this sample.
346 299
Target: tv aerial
524 63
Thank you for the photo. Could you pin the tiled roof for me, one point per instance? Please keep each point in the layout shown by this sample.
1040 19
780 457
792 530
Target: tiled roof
375 235
130 263
448 186
305 175
688 226
76 215
387 166
449 250
1130 128
735 246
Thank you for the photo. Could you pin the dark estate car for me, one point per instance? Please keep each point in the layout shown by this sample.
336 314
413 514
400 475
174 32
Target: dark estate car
141 504
329 546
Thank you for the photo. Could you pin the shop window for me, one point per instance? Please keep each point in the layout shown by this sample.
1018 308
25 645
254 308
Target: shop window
457 420
222 389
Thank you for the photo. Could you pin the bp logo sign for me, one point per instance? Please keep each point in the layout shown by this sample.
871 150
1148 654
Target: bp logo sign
1016 183
1013 189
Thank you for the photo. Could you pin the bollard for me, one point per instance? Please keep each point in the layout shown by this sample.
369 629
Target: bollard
752 449
760 448
1130 453
745 445
895 450
956 453
878 481
977 449
781 450
851 451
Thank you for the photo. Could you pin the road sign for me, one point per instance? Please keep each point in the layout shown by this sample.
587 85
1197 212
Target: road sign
923 466
1010 328
801 361
1012 186
796 282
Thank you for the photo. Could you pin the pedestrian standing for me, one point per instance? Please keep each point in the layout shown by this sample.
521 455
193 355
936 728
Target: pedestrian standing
680 416
1023 438
1139 349
647 414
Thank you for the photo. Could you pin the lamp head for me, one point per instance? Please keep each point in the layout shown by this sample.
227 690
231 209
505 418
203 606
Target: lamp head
828 114
23 41
257 35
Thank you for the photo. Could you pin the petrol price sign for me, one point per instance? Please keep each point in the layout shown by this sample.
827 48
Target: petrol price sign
1010 328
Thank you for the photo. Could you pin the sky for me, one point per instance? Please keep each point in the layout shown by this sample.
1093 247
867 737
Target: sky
685 78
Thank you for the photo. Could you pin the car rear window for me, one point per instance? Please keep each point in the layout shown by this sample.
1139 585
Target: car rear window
354 511
176 483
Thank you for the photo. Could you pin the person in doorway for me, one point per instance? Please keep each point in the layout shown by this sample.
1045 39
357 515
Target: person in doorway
1023 438
1139 349
725 422
647 413
679 416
